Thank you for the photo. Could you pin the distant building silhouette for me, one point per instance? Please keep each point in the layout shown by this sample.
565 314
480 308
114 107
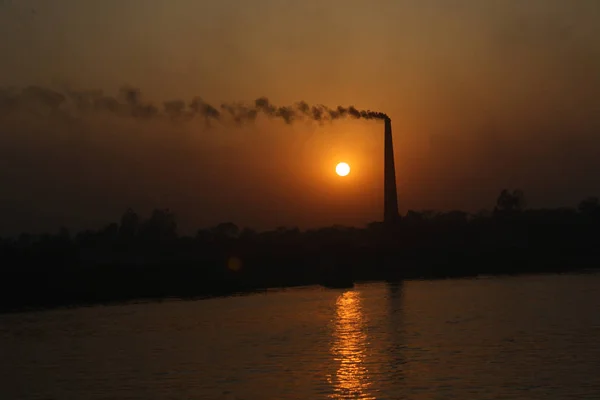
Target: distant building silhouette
390 206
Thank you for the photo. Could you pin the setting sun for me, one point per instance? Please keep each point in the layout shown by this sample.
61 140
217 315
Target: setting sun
342 169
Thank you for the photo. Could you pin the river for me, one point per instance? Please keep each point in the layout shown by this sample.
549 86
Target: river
527 337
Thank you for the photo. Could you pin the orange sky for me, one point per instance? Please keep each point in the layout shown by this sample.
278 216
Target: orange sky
482 95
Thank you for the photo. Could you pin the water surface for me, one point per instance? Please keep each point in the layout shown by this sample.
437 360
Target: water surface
533 337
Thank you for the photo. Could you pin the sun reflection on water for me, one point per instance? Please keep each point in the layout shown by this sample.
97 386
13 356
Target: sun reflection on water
349 348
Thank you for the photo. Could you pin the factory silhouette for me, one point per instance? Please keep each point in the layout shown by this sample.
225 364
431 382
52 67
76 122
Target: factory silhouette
141 258
390 206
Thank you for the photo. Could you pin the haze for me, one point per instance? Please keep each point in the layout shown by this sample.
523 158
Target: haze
482 96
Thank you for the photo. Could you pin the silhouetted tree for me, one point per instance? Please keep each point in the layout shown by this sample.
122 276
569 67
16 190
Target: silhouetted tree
510 202
129 226
64 235
286 234
452 217
413 216
248 233
109 232
203 235
589 207
25 240
160 226
483 214
226 230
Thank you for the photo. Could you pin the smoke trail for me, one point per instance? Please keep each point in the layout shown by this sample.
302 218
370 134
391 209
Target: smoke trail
130 103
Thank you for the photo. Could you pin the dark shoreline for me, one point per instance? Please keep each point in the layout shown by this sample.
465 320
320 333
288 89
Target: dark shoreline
248 290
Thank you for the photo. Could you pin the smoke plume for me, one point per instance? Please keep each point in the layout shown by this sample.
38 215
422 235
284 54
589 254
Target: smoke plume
129 103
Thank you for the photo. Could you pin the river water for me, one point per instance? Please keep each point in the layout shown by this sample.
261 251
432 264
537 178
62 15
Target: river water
530 337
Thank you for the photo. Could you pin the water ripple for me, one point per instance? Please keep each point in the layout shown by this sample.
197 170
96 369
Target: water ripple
517 338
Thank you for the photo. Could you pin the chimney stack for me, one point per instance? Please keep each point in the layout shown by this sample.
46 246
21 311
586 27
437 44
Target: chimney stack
390 206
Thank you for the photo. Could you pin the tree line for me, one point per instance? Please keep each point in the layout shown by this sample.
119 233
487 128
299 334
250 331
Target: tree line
146 258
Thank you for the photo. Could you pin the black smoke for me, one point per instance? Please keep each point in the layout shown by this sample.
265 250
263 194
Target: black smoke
129 103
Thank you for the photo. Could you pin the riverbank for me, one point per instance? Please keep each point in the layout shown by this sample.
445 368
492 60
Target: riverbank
88 297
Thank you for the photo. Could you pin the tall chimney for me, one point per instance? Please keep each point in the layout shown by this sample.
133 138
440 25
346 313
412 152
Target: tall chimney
390 205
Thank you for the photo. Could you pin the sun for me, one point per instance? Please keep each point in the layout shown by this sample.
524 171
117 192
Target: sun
342 169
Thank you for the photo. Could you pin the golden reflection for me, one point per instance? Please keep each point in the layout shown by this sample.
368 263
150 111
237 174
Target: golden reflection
349 348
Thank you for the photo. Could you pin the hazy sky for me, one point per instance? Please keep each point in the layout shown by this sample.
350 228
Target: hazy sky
482 94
